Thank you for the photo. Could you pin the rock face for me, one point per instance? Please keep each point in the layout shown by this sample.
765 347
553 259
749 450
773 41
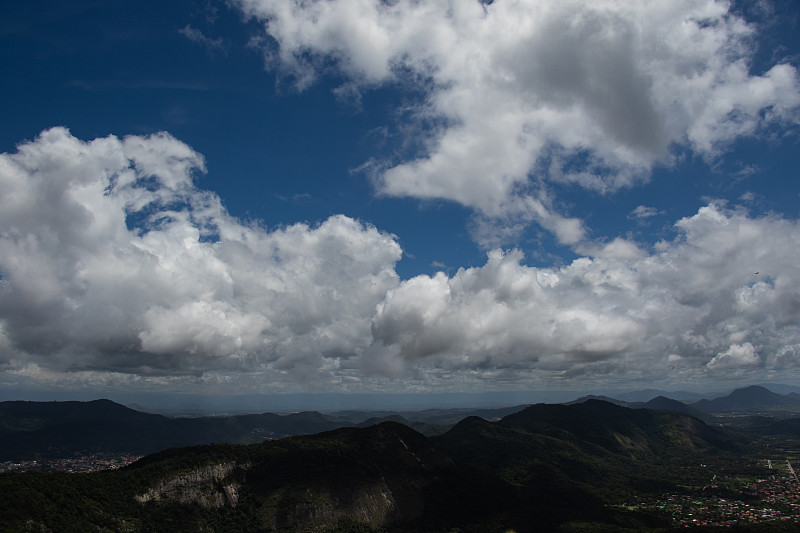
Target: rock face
208 486
298 509
379 476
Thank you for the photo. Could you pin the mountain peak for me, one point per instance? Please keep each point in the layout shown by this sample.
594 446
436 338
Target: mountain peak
749 398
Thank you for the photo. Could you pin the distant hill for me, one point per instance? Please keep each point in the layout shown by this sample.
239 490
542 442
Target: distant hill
35 430
608 399
426 429
30 430
781 388
749 399
613 427
648 394
668 404
659 402
455 415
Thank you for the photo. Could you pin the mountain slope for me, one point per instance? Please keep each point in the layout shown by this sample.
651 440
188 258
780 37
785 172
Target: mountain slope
618 429
596 447
357 479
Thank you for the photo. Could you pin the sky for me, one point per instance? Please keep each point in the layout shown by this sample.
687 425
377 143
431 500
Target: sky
239 197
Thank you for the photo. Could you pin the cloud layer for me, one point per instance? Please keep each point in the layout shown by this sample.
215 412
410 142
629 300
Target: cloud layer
112 259
528 94
723 295
115 263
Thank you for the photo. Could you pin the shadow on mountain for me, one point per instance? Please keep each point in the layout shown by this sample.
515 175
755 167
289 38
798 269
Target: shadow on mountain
544 468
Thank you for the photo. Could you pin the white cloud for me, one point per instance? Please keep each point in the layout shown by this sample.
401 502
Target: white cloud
117 269
735 356
643 212
112 259
618 248
695 302
528 93
788 357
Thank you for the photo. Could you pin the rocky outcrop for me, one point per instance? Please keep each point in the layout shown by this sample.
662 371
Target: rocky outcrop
209 486
308 508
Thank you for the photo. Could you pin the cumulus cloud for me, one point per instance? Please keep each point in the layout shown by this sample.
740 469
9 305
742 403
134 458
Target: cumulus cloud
116 268
735 356
692 305
112 259
527 94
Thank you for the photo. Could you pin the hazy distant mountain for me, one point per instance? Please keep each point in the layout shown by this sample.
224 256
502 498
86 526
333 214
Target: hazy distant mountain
61 429
781 388
660 402
453 416
426 429
588 397
30 430
648 394
639 395
748 399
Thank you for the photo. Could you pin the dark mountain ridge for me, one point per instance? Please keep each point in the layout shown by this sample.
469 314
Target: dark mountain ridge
594 447
539 469
51 430
617 428
41 430
30 430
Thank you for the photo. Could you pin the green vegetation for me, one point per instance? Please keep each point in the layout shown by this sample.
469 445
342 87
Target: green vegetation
593 466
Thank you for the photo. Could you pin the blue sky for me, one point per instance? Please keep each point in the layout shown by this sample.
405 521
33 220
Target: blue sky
356 196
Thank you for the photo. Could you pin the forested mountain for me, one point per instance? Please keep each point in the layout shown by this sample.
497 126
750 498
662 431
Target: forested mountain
37 430
597 446
545 467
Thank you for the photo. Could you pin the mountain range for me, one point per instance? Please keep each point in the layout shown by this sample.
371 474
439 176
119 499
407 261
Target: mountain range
752 399
544 467
40 430
49 430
